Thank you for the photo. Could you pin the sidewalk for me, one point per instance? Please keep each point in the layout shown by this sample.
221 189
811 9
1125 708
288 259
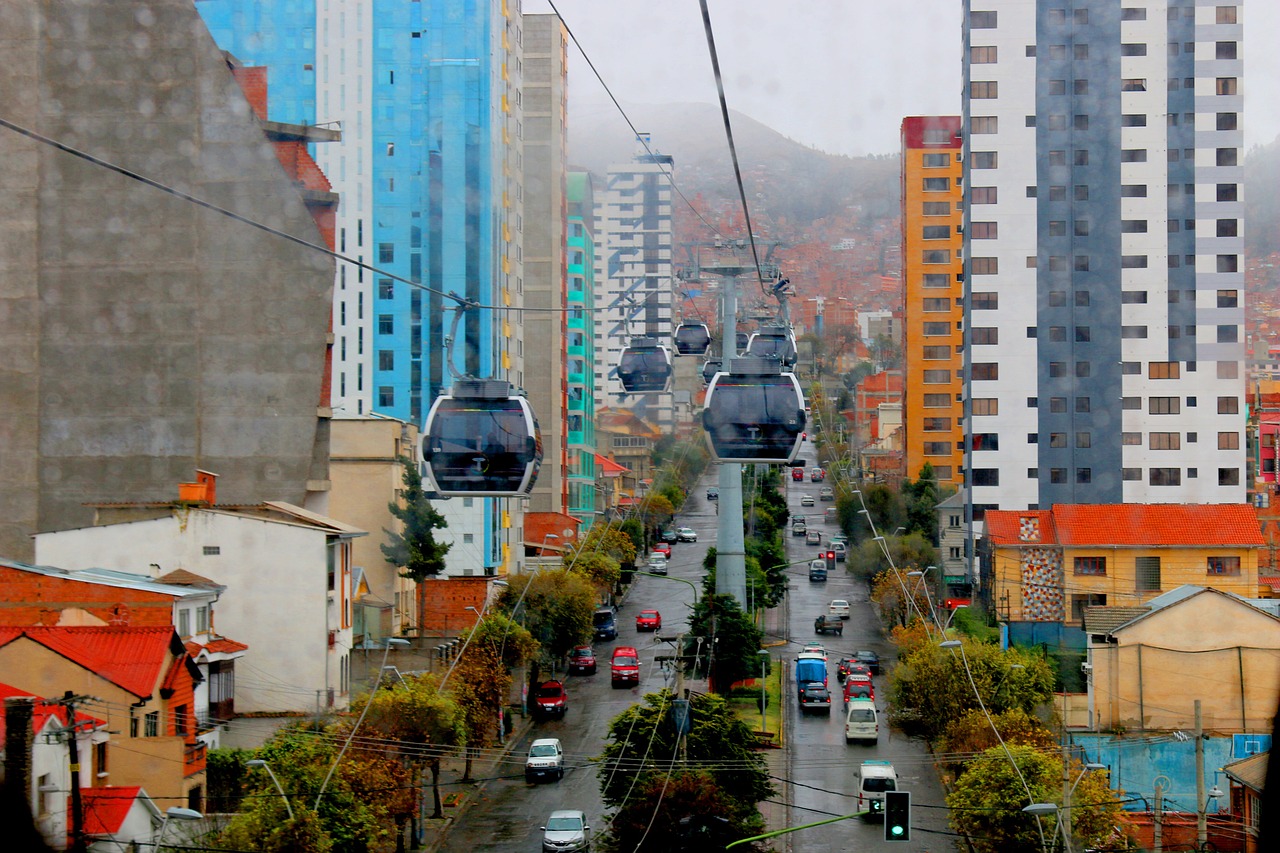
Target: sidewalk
436 832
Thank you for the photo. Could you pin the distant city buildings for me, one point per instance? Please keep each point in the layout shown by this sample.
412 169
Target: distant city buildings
1102 242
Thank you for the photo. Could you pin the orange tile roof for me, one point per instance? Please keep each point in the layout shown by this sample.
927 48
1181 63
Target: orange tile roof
42 711
1133 524
218 645
129 657
106 808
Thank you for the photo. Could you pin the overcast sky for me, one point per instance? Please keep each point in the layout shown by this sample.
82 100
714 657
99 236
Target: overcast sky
837 75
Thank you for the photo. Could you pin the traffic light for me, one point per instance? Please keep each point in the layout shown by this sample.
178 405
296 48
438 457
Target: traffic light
831 561
897 815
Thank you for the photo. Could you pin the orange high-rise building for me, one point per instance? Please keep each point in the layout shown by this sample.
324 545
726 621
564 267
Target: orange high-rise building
933 291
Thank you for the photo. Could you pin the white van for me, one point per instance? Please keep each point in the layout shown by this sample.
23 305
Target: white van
874 778
861 723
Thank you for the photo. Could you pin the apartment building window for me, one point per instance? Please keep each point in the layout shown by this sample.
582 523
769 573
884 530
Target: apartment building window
1228 441
983 55
386 253
184 623
982 20
1164 370
984 301
1164 405
1133 191
984 335
386 359
1228 263
1225 15
985 476
984 89
936 256
1057 439
937 377
1058 405
1133 226
1227 192
985 441
1228 333
1084 369
1133 50
983 160
937 401
1083 334
1165 476
1224 50
1147 574
936 280
386 324
983 231
936 208
1228 228
151 724
933 330
1057 475
1228 405
1133 14
1226 86
979 125
1133 120
1165 441
936 424
936 353
936 232
1134 84
935 161
985 370
937 448
1133 332
983 406
1223 565
1226 121
937 185
1227 156
1228 476
984 266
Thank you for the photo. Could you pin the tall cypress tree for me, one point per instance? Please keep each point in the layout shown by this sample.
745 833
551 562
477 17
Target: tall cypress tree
415 551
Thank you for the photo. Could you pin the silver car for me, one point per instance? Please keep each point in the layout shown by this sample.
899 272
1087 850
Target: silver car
566 830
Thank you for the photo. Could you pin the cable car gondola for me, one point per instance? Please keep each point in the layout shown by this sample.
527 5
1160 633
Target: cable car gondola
773 342
754 412
710 368
692 339
481 438
645 366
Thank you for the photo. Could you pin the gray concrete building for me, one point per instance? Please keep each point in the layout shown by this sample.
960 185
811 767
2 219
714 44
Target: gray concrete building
141 335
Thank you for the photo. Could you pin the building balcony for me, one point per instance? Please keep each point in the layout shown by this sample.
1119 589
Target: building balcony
194 758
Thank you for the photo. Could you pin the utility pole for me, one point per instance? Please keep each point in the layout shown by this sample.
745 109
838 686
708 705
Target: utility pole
1157 820
1202 824
69 701
1066 779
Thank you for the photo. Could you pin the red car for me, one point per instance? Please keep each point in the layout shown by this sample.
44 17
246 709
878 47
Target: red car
663 548
550 700
797 474
648 620
582 660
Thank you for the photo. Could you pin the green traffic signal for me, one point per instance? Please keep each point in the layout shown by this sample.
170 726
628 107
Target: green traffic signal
897 815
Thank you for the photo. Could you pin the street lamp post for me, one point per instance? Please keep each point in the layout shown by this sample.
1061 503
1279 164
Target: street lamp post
258 762
175 813
1062 813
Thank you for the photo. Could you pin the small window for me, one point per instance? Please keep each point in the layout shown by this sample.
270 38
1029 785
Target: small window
984 266
937 185
982 55
985 371
1227 156
936 208
1133 50
983 231
1133 191
1226 86
211 550
1228 405
982 20
982 195
984 89
1228 263
1224 50
936 256
935 161
1227 121
1227 192
1225 15
1133 84
1228 298
984 124
1228 441
1223 565
983 160
1133 14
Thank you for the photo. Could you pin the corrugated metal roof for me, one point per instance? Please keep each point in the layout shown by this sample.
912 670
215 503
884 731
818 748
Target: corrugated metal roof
107 577
1250 772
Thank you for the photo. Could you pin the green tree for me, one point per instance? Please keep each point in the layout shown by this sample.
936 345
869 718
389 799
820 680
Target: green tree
556 608
932 686
416 550
986 804
974 733
730 640
642 746
668 812
415 715
921 502
481 681
635 531
901 598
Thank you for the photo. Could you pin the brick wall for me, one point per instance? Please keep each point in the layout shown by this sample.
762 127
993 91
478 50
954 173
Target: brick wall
442 604
28 599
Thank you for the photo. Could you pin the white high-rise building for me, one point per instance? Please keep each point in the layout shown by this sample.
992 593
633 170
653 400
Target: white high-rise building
634 275
1103 252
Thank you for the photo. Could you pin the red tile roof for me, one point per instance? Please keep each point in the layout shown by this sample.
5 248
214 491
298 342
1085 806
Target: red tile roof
43 711
106 808
218 645
129 657
608 467
1133 524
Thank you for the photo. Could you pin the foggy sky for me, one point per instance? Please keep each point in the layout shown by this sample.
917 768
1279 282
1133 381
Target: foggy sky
837 75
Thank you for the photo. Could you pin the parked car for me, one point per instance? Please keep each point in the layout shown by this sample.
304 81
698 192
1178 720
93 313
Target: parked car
550 700
687 534
657 563
624 668
813 537
839 608
663 548
565 832
606 624
648 620
815 698
806 500
669 535
545 761
582 659
713 494
797 474
827 494
871 659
